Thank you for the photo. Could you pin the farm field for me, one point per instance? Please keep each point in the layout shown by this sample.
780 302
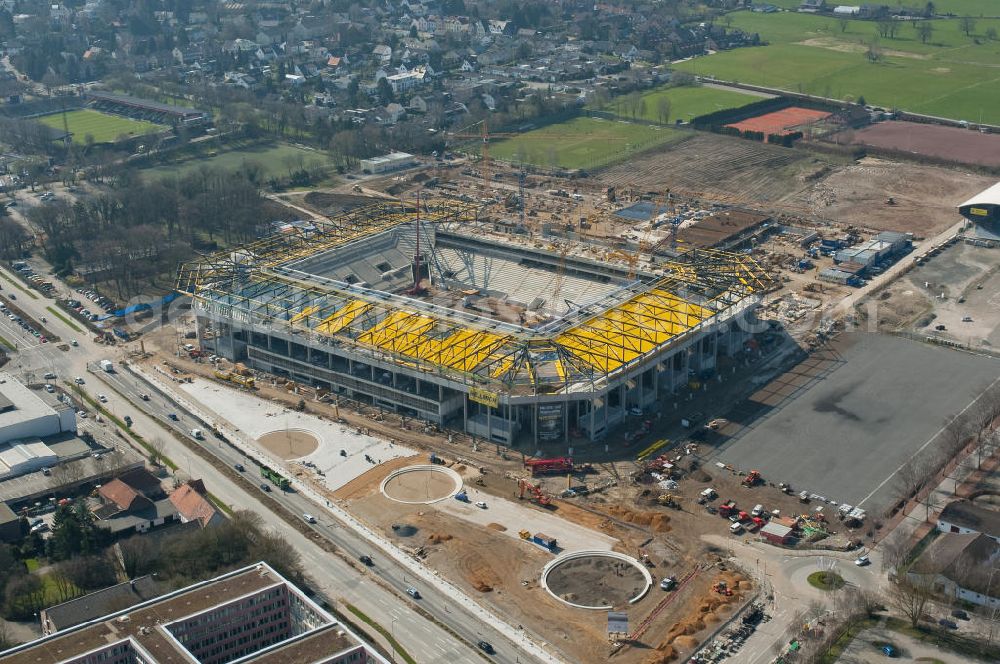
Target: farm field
103 127
273 159
950 76
582 143
685 102
956 7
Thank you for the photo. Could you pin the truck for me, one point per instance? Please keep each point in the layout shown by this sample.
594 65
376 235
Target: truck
542 539
545 466
727 508
462 496
108 366
276 478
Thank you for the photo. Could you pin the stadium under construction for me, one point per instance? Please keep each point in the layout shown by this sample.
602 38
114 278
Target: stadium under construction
425 310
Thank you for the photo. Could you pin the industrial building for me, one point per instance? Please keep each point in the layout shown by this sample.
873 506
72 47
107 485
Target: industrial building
252 614
429 313
25 413
394 161
983 210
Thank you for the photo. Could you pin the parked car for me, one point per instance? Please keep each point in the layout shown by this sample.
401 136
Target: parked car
78 380
888 649
861 561
960 614
266 488
481 504
413 592
239 467
486 647
950 624
367 560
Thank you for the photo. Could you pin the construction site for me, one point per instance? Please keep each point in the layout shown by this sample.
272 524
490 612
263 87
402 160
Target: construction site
565 394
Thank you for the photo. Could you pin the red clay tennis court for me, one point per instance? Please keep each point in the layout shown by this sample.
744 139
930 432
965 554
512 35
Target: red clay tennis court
782 122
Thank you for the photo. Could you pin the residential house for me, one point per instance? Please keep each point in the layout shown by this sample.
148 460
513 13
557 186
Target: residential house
962 567
417 105
192 504
391 114
963 517
382 54
123 509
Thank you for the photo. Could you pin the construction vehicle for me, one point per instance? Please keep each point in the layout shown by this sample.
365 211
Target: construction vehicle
753 478
237 379
537 496
436 460
545 541
721 588
727 508
462 496
669 500
546 466
524 534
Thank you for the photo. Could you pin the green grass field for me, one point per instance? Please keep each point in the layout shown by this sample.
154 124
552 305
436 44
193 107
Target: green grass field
956 7
274 160
685 102
582 143
103 127
950 76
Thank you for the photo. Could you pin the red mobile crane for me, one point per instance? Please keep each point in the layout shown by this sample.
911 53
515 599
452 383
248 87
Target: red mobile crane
544 466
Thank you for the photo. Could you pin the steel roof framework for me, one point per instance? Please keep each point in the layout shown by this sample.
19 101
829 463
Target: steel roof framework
249 284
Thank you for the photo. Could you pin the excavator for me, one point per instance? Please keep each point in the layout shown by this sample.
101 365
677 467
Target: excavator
524 486
669 500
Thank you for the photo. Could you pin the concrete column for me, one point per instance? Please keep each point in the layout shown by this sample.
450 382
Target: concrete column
592 416
566 422
534 424
465 413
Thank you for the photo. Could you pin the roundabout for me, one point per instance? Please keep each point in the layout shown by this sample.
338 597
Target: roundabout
421 485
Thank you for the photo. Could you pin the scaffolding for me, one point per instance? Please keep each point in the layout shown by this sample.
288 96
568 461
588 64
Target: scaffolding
253 286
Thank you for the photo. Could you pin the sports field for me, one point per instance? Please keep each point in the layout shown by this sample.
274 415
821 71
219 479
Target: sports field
103 127
781 122
956 7
273 160
582 143
951 75
685 103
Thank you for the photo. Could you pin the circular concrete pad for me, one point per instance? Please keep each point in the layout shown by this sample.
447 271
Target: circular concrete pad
421 485
289 443
596 579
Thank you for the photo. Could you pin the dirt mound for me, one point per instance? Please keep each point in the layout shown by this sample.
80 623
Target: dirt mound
656 521
663 655
438 538
686 642
497 527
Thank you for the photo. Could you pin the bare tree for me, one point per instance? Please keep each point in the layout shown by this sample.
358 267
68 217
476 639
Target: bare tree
884 27
874 52
137 556
924 31
663 109
909 596
842 23
967 24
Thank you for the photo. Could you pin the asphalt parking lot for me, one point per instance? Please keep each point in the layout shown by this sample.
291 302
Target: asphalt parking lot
841 423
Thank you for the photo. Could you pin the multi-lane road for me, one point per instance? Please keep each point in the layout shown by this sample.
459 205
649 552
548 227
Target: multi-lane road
335 577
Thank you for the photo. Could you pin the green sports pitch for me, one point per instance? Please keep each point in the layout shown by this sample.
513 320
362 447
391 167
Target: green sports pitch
945 73
685 102
585 143
103 127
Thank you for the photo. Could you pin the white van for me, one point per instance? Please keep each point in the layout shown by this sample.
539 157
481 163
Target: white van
197 434
758 509
736 528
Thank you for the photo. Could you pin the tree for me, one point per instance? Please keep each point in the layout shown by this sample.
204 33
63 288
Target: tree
137 556
909 595
874 52
967 24
842 23
925 31
991 33
929 9
384 90
663 109
884 27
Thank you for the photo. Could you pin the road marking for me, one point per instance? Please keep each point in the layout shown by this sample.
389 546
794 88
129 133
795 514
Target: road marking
929 441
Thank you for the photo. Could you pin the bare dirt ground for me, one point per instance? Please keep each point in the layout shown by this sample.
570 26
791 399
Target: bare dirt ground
289 444
419 485
596 581
961 282
720 167
951 143
925 197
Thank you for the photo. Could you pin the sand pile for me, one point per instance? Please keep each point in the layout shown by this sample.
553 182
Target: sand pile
662 655
656 521
438 538
497 527
707 612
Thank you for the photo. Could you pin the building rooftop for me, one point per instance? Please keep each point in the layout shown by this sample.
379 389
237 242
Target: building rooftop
146 625
24 404
972 516
100 603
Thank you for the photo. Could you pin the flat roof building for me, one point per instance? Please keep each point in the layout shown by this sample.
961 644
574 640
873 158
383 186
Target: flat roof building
25 414
387 163
252 614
